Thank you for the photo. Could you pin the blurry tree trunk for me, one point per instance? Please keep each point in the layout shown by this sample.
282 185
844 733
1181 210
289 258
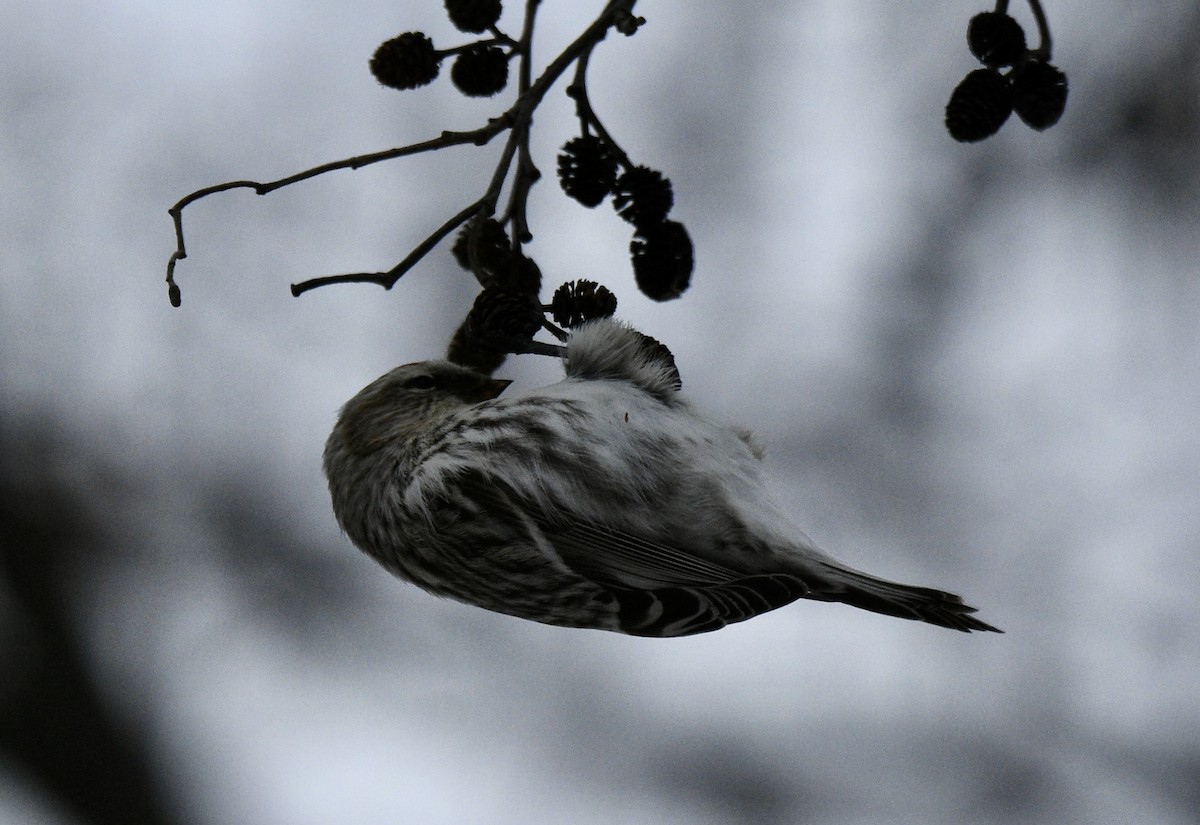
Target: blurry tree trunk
55 724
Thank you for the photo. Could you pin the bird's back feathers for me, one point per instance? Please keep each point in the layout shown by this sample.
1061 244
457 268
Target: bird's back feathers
608 349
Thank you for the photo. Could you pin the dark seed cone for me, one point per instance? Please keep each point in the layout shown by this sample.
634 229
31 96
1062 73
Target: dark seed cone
578 301
995 39
643 196
473 16
1040 92
465 350
662 260
979 106
587 169
406 61
521 274
502 320
481 71
494 251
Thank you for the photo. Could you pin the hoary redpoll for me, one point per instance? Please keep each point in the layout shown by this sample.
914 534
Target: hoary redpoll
604 501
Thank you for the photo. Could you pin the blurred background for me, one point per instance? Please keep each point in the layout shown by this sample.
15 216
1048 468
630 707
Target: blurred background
974 367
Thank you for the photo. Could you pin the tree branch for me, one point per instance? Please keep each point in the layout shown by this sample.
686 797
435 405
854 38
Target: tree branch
1044 44
518 119
478 137
388 279
587 115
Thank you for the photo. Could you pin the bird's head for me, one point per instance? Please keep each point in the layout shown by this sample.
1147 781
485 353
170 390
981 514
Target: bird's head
401 406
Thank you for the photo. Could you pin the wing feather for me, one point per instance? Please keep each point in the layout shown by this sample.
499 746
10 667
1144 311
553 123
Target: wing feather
661 589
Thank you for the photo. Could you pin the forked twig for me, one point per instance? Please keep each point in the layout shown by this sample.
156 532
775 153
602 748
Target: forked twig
517 119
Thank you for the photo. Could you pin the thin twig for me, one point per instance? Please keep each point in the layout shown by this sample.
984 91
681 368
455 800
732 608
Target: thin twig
553 329
527 173
540 348
388 279
521 114
525 45
1044 44
1042 52
500 40
518 119
587 115
478 137
501 37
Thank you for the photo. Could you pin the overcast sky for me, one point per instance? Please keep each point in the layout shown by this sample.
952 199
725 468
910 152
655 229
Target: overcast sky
973 367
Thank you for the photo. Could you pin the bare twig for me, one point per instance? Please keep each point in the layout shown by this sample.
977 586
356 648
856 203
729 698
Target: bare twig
499 40
541 348
527 173
553 329
1042 52
587 116
478 137
517 119
388 279
1044 44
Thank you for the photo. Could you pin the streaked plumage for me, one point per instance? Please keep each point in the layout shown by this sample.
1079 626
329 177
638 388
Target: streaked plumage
605 500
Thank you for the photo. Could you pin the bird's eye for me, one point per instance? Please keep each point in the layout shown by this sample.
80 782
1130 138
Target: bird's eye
420 382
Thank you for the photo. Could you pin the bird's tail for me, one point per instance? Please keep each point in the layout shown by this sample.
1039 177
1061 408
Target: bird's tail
849 586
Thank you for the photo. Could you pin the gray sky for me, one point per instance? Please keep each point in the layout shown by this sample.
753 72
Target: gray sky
973 367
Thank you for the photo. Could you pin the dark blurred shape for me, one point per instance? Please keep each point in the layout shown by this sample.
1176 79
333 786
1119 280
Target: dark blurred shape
1149 125
741 784
64 532
1014 786
55 723
1174 774
285 579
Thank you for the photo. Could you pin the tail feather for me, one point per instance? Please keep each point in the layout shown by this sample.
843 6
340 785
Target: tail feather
905 601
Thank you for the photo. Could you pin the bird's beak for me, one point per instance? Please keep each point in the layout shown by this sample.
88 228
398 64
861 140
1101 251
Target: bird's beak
491 388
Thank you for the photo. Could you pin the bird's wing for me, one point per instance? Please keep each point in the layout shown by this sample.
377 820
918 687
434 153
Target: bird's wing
663 590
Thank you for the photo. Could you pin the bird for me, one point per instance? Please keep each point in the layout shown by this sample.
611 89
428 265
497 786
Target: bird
606 500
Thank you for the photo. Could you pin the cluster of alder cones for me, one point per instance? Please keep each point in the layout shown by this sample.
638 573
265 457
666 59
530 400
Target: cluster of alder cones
1032 87
590 170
